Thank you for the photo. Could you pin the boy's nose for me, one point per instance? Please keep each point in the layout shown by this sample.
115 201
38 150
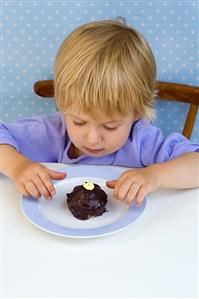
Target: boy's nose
93 137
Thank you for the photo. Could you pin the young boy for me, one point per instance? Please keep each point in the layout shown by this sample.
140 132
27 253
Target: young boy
104 80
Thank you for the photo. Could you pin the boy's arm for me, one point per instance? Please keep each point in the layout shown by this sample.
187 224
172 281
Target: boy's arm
31 179
180 173
135 184
11 159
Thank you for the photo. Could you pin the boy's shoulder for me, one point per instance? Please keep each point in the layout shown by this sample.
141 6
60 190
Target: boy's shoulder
143 131
143 128
54 118
54 123
142 123
46 124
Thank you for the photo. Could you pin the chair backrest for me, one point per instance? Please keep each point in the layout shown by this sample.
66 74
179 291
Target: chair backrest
165 91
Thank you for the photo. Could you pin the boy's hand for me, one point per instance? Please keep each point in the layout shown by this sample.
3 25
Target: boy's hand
134 185
34 179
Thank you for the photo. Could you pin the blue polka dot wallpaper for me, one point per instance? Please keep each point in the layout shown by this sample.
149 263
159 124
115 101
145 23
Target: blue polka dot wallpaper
32 31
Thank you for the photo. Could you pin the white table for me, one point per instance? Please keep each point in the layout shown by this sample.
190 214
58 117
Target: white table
155 257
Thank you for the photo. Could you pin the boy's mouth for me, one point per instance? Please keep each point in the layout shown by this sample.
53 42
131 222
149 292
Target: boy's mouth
93 151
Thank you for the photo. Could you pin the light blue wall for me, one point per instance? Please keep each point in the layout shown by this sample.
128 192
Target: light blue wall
32 32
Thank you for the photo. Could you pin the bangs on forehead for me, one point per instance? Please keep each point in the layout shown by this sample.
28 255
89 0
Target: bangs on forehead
98 107
77 112
100 89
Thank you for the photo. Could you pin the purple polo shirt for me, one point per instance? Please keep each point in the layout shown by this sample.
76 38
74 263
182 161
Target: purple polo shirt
45 139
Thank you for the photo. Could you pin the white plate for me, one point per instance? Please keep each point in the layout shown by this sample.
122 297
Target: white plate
54 217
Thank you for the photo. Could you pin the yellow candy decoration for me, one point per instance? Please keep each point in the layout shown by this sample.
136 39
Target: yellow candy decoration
88 186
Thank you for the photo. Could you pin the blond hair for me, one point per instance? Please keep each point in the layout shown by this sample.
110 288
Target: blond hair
105 67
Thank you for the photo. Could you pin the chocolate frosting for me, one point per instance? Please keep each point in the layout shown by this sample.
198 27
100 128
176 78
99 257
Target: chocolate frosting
84 204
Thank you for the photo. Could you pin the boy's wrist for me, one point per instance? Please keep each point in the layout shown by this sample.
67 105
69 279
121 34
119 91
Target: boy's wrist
155 169
16 170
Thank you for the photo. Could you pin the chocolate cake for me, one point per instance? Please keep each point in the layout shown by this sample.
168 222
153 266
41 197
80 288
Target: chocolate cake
86 201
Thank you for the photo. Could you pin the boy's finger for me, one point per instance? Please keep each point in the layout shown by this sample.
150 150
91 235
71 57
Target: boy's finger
32 189
111 184
56 175
140 196
44 187
46 179
132 192
123 189
22 189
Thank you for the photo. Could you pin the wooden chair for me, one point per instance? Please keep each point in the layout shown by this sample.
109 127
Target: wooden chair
165 91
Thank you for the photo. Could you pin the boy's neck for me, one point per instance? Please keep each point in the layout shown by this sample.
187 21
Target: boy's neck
73 152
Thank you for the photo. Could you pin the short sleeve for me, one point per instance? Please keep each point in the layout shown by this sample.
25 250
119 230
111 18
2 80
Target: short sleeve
25 135
40 138
155 148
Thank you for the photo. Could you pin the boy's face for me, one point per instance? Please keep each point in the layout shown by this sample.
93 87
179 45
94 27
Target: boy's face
94 137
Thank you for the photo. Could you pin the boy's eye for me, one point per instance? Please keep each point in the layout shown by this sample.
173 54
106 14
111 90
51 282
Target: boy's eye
76 123
110 128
